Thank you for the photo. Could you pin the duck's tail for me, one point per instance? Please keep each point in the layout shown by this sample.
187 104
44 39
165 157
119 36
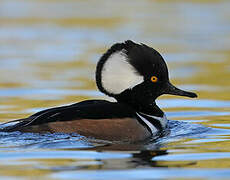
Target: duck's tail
14 124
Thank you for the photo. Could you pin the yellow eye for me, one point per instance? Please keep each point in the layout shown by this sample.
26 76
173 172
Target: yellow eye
154 79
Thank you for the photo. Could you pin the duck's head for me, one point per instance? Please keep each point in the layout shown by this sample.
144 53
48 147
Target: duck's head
135 72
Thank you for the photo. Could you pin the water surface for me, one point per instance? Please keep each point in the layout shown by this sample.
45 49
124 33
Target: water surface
48 53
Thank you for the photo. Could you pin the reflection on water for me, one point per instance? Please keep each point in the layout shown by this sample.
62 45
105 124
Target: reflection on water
48 53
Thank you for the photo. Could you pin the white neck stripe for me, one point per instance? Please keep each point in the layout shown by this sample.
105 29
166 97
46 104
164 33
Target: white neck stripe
163 120
150 125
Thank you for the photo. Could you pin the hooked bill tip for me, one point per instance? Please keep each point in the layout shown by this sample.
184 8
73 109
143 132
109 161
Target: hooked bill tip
192 95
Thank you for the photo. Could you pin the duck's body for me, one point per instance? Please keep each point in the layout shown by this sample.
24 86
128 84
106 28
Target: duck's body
99 119
135 75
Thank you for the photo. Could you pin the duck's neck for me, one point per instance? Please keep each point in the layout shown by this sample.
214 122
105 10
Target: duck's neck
147 112
140 104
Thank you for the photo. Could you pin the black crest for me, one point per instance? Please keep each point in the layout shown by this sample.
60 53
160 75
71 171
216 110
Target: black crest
145 60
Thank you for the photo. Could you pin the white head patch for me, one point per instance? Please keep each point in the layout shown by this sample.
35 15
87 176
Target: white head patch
118 75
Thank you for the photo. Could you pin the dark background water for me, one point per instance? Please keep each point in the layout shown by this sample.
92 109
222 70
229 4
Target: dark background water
48 53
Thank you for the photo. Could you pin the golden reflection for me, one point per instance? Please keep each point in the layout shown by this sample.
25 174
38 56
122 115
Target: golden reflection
19 171
174 28
88 22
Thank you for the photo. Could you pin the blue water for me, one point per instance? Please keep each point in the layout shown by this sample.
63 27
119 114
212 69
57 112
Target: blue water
48 54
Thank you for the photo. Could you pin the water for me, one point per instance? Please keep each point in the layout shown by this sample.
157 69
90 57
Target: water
48 53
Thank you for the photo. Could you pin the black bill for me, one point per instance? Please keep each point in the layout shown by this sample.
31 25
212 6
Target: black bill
170 89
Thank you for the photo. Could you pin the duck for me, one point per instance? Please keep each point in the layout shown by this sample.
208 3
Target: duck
134 75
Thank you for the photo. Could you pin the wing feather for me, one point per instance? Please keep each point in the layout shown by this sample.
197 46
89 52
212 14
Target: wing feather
91 109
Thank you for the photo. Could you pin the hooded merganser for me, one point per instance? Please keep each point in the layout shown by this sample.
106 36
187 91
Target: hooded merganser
135 75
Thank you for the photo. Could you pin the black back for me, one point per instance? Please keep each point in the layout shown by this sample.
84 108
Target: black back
90 109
